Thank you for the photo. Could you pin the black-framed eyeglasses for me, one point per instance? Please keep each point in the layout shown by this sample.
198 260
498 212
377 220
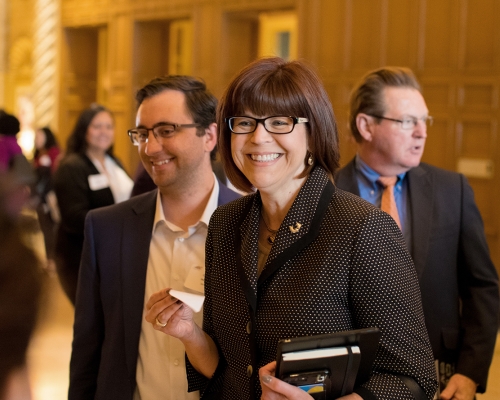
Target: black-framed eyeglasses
140 135
409 122
275 124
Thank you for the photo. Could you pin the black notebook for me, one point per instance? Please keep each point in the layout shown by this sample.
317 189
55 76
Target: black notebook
330 365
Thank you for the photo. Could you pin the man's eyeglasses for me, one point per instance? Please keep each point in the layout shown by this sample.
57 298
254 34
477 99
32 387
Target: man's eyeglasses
409 122
275 124
140 135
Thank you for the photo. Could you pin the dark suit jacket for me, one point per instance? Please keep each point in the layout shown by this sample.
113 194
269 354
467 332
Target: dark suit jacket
343 269
453 266
110 298
75 199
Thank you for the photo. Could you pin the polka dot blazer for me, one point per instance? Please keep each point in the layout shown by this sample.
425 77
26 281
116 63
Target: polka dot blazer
345 268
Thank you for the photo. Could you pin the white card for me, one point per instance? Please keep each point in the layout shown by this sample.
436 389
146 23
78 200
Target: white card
97 182
193 301
196 279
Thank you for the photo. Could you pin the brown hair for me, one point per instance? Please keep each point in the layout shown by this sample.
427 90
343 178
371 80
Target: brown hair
273 86
200 102
77 141
367 96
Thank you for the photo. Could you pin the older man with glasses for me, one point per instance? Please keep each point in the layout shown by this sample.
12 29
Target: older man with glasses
153 241
440 221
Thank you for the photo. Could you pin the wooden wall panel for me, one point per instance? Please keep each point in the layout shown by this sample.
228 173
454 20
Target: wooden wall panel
437 145
207 26
79 77
401 33
364 18
330 24
481 35
485 198
438 95
118 74
478 97
240 34
150 51
477 138
439 28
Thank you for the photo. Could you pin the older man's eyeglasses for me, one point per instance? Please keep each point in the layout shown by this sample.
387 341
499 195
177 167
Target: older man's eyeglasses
164 131
409 122
275 124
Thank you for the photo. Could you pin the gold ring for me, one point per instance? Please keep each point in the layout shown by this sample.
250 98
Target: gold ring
160 324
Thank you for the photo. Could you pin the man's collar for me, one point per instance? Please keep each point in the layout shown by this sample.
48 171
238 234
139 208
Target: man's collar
212 204
369 173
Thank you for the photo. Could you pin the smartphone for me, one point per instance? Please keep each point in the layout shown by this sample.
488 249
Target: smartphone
311 382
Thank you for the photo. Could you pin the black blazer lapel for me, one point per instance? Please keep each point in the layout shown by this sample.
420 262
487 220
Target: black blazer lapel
291 238
420 190
136 238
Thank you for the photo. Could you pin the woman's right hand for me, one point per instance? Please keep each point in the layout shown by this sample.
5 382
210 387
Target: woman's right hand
161 308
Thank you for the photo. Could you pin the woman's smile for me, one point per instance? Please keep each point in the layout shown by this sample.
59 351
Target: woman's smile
265 157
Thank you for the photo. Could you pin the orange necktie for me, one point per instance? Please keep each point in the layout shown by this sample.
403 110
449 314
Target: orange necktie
388 203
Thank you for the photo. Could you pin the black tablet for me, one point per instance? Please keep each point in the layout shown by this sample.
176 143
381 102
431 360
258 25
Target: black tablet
347 356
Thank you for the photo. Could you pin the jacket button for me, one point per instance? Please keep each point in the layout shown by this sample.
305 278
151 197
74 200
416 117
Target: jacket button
249 327
249 371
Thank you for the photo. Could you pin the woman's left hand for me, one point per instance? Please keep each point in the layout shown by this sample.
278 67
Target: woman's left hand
275 389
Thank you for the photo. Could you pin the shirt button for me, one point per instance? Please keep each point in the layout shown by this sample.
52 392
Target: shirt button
176 362
175 276
181 239
249 327
249 371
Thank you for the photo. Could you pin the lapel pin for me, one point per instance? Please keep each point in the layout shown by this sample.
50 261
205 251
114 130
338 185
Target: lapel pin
295 229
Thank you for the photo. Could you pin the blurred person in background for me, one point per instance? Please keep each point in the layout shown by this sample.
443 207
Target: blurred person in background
46 149
20 290
12 160
46 158
89 176
9 148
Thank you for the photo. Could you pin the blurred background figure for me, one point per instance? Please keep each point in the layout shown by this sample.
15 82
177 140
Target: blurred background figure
9 148
13 162
20 291
45 160
46 149
89 176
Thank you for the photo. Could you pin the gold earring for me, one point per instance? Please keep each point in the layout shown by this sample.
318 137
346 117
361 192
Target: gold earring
310 160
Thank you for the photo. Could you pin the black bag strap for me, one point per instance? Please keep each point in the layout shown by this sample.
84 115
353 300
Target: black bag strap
415 389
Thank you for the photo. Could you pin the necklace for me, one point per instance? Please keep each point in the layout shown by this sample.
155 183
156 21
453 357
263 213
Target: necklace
270 238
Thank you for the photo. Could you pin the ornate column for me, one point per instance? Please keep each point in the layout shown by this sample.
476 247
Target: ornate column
44 82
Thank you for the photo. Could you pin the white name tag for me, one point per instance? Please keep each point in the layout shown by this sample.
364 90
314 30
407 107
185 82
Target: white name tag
97 182
196 279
